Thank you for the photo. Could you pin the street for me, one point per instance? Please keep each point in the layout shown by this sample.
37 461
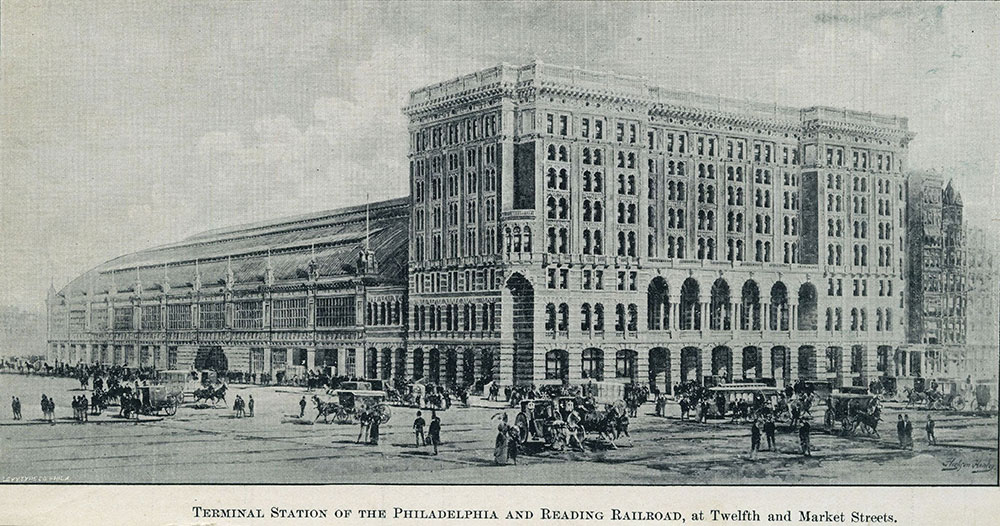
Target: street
212 446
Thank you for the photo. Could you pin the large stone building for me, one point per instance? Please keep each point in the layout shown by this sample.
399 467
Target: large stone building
309 292
572 226
562 226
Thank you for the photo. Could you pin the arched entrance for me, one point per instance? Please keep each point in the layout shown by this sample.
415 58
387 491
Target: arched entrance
418 363
386 365
211 358
434 366
780 370
691 365
659 370
400 365
752 363
468 367
522 302
451 367
722 363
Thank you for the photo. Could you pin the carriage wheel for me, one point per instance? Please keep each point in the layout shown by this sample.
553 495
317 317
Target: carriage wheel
580 434
384 413
521 423
171 408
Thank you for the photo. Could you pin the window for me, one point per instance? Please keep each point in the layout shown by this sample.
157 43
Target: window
593 364
625 364
289 313
123 319
247 314
335 312
212 316
555 365
178 317
149 318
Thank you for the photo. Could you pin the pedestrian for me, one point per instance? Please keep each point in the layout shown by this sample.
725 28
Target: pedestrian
908 431
236 406
52 411
418 429
501 447
804 438
931 439
769 433
434 431
754 440
901 431
15 404
302 407
83 407
364 418
373 428
250 406
512 444
45 408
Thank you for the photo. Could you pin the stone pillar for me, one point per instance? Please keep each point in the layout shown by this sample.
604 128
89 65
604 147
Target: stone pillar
506 373
736 368
793 317
869 359
704 315
767 363
922 357
641 367
674 355
342 362
734 317
793 364
459 366
310 359
844 367
675 307
610 363
706 365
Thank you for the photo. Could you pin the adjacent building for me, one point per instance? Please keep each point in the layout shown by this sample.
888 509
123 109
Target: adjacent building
311 292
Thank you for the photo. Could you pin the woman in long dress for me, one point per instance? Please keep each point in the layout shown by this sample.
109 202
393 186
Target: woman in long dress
502 443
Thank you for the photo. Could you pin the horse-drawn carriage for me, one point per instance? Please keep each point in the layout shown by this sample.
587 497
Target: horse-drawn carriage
543 422
154 399
742 401
856 414
353 400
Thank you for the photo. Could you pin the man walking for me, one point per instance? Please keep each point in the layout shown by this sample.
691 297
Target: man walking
435 431
302 407
754 440
804 438
250 406
418 429
13 407
930 431
769 433
901 432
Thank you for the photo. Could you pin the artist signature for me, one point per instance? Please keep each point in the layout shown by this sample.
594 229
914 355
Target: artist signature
35 479
973 466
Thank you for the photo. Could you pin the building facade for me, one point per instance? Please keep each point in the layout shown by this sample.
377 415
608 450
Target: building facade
566 226
571 226
324 291
982 290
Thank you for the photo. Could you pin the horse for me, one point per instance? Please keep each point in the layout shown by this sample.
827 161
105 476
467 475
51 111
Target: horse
325 409
208 393
914 398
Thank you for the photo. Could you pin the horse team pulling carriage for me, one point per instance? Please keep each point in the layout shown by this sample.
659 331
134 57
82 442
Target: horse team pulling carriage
353 401
560 422
857 414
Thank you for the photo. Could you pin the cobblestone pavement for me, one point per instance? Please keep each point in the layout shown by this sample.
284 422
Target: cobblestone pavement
210 445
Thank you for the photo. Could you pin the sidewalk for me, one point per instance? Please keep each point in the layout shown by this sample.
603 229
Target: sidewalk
107 417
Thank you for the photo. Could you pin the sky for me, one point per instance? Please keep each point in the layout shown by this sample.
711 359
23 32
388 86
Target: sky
125 125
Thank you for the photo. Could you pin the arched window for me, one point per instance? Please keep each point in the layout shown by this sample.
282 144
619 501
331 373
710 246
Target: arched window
620 318
593 364
625 361
598 182
556 366
586 320
690 313
550 317
552 152
633 317
563 317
